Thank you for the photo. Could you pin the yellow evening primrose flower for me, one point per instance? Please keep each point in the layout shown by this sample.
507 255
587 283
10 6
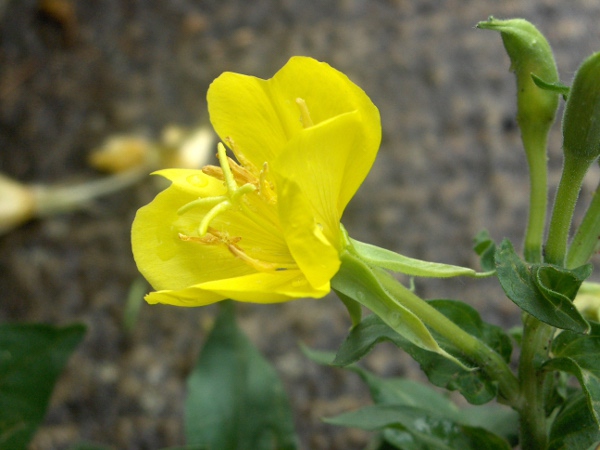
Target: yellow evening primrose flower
264 228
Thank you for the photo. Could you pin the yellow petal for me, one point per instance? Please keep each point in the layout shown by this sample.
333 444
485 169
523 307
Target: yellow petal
256 288
162 257
315 254
262 115
321 161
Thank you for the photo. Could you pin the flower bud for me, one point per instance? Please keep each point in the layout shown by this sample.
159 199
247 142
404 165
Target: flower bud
581 121
529 54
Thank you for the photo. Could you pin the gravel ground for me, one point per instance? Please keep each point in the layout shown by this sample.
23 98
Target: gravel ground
450 164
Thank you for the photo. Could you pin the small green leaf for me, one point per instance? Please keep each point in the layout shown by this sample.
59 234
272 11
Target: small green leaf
410 427
557 87
395 262
577 354
485 247
543 290
32 356
574 427
235 398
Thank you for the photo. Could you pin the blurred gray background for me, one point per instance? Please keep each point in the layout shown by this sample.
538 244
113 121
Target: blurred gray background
450 165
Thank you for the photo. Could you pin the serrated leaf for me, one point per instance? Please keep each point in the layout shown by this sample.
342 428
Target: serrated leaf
577 354
235 398
395 262
474 385
32 356
574 427
409 427
485 247
543 290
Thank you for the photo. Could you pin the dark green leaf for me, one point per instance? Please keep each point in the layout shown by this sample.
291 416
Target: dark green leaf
544 291
235 398
473 384
409 427
557 87
577 354
485 247
574 427
32 356
400 391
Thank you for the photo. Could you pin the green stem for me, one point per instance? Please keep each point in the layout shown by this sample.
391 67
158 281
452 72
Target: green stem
474 349
537 337
574 169
534 141
585 240
388 295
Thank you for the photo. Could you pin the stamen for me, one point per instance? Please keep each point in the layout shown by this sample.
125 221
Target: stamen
221 203
304 113
261 266
264 187
229 180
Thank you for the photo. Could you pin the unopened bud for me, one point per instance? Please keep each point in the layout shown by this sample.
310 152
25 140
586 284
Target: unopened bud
529 54
17 204
581 122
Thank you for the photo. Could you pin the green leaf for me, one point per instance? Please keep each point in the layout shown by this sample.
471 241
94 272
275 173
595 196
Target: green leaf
32 356
485 247
400 391
410 427
574 427
543 290
235 398
473 384
395 262
557 87
577 354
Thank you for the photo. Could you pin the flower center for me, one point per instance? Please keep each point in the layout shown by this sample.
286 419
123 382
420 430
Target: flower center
232 173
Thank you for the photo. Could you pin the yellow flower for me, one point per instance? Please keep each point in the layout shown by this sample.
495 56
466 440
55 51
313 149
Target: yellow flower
265 228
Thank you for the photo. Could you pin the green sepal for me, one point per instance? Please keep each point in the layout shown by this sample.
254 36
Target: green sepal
574 427
577 354
557 87
485 247
412 427
235 397
32 357
395 262
543 290
366 285
474 385
581 121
